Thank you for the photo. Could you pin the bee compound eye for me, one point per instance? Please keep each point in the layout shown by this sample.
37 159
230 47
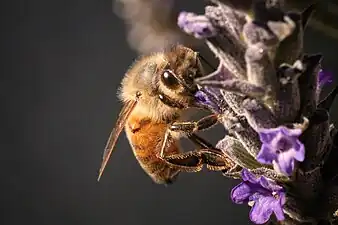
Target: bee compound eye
169 79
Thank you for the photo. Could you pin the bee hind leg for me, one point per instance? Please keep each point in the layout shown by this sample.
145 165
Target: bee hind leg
207 154
193 161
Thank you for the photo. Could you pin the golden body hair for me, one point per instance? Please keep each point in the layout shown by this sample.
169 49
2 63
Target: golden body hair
146 138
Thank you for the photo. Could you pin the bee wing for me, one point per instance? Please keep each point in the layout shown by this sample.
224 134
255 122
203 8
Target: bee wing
120 123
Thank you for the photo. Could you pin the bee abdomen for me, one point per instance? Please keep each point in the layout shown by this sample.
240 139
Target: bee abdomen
146 139
155 167
149 162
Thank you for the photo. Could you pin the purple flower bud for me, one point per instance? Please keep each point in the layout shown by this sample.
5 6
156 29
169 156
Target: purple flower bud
197 25
324 77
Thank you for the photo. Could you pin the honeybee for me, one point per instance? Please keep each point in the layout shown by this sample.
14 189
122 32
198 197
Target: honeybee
156 91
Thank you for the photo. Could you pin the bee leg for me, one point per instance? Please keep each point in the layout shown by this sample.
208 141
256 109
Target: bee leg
189 128
193 161
183 161
215 159
208 155
192 127
172 177
216 166
200 142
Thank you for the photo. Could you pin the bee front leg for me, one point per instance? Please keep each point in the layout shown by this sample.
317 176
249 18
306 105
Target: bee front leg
192 127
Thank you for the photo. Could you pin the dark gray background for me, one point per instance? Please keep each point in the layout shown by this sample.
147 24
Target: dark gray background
63 64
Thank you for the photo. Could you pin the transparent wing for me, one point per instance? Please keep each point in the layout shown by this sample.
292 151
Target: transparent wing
120 123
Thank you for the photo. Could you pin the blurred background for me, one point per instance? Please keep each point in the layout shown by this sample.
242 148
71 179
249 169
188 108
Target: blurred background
63 64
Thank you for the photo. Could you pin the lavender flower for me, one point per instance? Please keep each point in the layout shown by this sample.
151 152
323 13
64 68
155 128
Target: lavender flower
264 195
281 147
264 84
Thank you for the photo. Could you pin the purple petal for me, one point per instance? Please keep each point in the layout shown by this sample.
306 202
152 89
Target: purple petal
285 162
241 193
280 147
266 155
300 151
248 176
261 194
269 184
290 132
262 209
279 213
270 130
267 135
277 207
265 205
282 198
